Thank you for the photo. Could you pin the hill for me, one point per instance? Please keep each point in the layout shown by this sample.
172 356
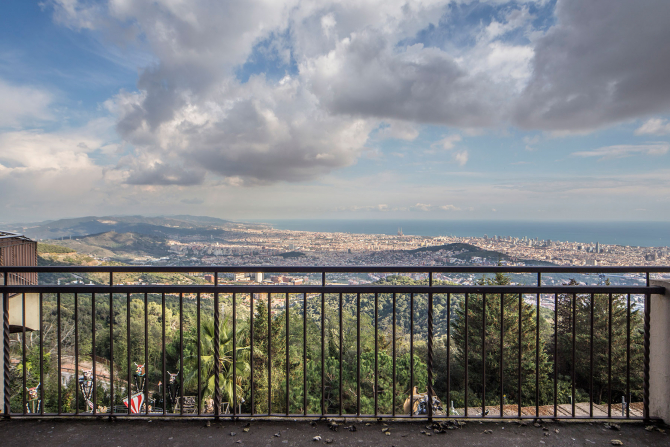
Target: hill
121 246
161 226
464 251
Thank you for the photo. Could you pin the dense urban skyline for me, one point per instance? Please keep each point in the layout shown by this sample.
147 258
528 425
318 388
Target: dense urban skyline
395 109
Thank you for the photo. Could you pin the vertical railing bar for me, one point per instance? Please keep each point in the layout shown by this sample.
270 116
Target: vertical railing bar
467 359
304 354
164 362
76 353
41 354
234 366
217 354
393 338
130 386
411 353
111 354
502 337
146 354
647 322
269 354
376 382
95 377
358 354
519 354
287 355
448 403
483 354
628 356
555 355
60 366
340 362
323 352
23 350
251 352
430 348
6 408
181 354
609 360
574 348
537 352
537 348
591 352
197 329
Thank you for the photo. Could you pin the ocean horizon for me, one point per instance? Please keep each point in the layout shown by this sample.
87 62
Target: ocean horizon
642 234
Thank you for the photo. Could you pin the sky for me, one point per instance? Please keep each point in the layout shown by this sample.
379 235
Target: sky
348 109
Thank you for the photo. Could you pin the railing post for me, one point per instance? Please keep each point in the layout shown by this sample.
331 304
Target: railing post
430 349
4 392
217 354
657 354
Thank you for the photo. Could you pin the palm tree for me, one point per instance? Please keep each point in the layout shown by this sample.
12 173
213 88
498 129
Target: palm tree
207 341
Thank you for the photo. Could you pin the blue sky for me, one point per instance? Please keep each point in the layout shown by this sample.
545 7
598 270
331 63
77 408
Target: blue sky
389 109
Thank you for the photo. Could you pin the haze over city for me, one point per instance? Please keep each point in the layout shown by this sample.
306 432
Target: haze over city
524 110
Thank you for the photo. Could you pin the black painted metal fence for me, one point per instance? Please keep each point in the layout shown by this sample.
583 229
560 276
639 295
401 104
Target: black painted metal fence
513 300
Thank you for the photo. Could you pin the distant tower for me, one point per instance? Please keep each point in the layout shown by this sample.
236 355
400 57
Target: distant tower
597 247
400 231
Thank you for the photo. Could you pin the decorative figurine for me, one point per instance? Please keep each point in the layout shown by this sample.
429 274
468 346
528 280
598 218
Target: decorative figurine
86 387
34 403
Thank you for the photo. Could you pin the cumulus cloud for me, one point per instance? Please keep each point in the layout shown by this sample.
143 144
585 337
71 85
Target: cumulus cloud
366 75
654 126
351 66
603 62
256 132
625 150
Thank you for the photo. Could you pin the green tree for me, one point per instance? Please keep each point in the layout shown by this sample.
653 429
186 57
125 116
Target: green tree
601 342
207 361
486 326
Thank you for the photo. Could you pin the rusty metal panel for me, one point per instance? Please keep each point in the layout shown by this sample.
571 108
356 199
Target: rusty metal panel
18 250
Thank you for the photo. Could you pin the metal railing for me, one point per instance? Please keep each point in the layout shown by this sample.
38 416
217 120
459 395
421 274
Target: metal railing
519 322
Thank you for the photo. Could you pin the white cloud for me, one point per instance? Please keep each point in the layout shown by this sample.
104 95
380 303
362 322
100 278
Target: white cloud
449 142
531 141
399 130
449 208
654 126
192 122
461 157
20 103
421 207
625 150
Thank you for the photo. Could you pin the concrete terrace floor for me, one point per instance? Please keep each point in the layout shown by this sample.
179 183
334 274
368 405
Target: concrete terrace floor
196 433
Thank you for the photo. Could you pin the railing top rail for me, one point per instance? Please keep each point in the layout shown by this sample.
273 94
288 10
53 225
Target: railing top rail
476 289
337 269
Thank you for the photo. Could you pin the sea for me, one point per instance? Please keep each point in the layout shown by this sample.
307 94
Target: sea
641 234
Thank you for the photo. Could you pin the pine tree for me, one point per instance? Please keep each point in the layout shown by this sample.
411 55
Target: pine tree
517 316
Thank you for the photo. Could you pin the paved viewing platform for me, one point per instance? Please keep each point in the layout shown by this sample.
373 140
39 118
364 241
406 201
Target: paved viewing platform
166 433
